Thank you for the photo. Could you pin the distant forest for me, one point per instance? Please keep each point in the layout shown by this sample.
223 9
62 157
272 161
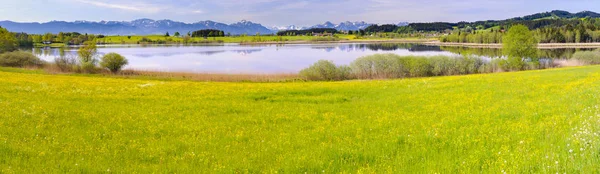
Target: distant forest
208 33
307 31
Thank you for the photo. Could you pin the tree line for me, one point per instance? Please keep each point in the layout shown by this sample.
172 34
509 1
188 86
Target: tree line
208 33
307 32
68 38
583 32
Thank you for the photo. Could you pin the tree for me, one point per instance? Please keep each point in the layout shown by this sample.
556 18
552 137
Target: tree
87 55
113 62
37 39
167 34
48 37
60 37
177 34
8 41
519 44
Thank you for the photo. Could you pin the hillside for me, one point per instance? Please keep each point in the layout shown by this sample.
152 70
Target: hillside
559 14
524 122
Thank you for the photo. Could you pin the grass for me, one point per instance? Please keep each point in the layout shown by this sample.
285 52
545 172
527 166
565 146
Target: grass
523 122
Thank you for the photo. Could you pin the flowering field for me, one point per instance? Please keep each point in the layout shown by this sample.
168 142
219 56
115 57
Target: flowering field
525 122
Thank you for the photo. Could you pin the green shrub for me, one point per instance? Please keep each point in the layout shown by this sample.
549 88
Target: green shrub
66 64
113 62
325 70
588 57
417 66
20 59
378 66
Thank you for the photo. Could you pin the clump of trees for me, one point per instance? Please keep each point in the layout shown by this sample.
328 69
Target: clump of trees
208 33
8 42
381 28
9 56
307 32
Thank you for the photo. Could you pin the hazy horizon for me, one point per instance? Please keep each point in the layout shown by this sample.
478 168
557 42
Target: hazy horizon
283 12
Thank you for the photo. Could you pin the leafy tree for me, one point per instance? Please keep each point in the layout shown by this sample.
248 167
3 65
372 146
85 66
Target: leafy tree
60 37
177 34
113 62
519 44
48 37
87 56
167 34
8 42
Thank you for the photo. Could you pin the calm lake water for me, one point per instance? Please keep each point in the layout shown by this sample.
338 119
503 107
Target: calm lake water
235 58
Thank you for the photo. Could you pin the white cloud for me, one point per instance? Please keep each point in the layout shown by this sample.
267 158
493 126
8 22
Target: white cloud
145 8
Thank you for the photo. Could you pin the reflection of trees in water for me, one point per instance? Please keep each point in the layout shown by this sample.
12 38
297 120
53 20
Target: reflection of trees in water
486 52
379 47
48 52
61 52
560 53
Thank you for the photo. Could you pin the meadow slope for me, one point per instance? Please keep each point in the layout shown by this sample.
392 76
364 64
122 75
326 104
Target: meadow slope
535 122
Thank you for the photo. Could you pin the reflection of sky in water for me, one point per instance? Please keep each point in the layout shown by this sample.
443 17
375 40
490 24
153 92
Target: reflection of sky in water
245 58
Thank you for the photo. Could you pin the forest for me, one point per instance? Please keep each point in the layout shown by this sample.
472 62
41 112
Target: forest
306 32
208 33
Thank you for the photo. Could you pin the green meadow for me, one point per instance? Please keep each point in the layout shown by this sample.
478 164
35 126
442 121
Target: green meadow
544 121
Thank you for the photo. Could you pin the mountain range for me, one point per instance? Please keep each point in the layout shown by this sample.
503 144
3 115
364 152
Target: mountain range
149 26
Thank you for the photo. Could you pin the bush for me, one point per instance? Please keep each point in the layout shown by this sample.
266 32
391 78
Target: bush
20 59
66 64
325 70
378 66
113 62
588 57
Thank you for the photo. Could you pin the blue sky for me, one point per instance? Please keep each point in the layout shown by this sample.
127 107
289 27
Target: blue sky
283 12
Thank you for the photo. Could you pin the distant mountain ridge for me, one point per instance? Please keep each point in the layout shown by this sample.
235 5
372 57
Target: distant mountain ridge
149 26
139 27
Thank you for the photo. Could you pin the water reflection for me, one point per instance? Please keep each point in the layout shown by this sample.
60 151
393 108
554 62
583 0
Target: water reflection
235 58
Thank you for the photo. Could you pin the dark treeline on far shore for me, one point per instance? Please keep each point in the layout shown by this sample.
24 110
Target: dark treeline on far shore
307 32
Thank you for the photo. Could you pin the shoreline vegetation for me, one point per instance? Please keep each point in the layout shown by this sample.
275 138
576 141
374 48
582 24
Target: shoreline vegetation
424 41
519 53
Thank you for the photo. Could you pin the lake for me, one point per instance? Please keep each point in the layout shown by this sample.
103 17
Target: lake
290 58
